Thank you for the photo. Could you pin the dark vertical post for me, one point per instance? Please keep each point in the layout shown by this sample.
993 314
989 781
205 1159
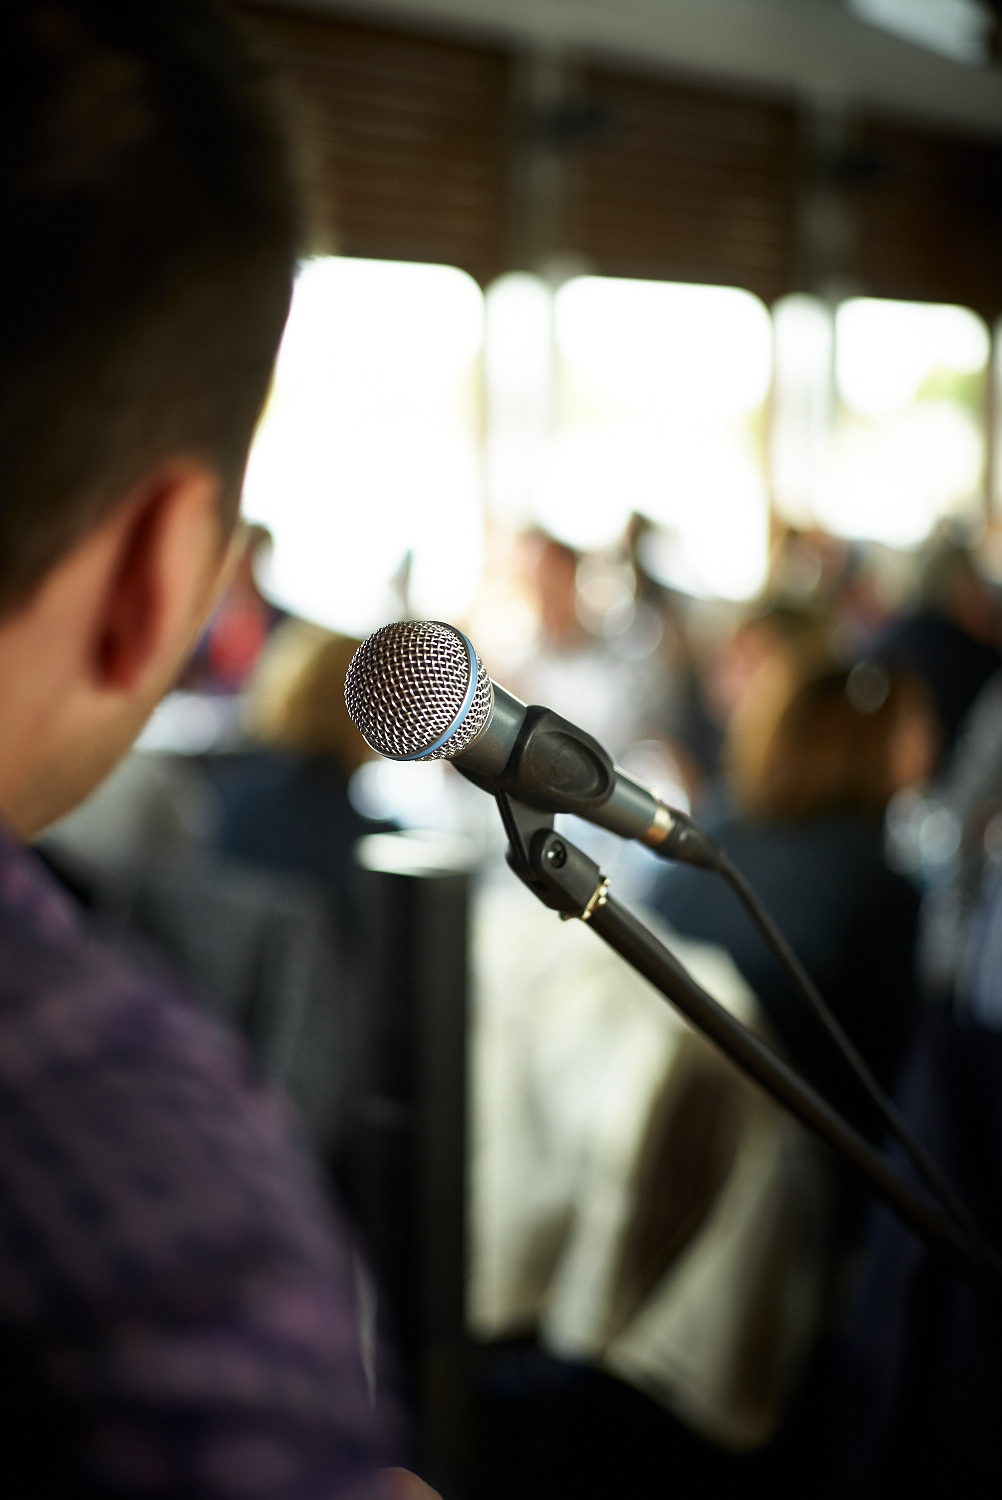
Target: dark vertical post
405 1159
441 999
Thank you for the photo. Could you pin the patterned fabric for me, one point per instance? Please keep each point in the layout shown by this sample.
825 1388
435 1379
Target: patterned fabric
178 1311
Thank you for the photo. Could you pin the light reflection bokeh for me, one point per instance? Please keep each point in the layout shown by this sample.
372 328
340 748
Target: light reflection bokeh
409 409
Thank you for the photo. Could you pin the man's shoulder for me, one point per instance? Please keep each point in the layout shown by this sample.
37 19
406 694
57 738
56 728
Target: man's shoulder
164 1246
75 999
123 1106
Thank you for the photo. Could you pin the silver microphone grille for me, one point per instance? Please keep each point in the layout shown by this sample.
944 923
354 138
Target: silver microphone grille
408 691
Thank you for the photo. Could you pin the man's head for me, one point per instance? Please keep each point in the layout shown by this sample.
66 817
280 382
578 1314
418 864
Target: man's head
147 242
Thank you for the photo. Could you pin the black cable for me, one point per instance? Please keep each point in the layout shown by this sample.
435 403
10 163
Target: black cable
567 881
969 1253
689 844
892 1117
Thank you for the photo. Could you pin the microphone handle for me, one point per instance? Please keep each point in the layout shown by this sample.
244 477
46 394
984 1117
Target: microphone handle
548 763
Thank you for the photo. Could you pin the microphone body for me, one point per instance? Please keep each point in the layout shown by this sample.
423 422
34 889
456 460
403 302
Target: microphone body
417 690
549 764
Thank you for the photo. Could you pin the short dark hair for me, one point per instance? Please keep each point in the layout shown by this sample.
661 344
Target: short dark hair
148 236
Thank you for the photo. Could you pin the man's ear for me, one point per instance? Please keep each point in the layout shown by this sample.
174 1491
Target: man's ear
168 560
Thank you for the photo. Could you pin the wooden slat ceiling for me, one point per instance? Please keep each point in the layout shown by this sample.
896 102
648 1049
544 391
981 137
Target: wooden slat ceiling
416 145
404 137
928 226
690 184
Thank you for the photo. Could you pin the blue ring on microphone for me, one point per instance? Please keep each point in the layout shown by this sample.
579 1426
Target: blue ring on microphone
464 707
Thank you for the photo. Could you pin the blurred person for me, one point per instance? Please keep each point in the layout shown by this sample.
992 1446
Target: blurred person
590 677
947 840
850 583
749 683
808 563
562 670
776 640
241 623
865 599
286 804
654 1218
556 580
807 833
153 803
604 660
951 639
972 784
917 1384
682 718
178 1305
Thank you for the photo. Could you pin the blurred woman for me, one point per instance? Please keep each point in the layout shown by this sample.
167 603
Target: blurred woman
749 680
286 804
808 834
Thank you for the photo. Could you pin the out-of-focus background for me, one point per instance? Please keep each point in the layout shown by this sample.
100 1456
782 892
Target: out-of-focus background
656 344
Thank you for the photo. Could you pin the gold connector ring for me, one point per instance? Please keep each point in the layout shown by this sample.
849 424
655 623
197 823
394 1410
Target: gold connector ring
598 898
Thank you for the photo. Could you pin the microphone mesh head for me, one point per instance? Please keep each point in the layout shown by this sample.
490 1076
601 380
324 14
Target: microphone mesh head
406 687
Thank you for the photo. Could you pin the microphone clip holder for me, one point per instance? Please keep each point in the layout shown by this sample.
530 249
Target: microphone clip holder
554 869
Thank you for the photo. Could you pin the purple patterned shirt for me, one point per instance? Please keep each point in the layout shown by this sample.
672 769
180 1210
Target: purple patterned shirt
178 1311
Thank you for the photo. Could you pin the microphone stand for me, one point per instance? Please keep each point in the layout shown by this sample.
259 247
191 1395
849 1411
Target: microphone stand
570 883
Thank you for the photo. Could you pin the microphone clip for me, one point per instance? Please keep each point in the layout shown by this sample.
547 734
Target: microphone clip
554 766
554 869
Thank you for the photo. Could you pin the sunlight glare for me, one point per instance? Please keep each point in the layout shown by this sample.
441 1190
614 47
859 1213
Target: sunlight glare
368 450
885 351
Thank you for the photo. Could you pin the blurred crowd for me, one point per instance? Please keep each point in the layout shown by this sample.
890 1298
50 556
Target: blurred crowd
842 738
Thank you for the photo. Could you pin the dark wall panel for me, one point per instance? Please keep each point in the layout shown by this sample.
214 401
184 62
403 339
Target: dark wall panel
404 136
689 184
928 224
424 148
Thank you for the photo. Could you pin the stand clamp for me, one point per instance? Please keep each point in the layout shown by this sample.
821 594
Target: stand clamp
561 876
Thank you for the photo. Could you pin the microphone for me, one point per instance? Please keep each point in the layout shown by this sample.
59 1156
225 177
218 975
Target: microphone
417 690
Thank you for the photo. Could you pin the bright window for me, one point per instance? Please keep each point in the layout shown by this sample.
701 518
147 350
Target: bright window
366 466
604 398
519 379
908 445
879 416
802 402
654 395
